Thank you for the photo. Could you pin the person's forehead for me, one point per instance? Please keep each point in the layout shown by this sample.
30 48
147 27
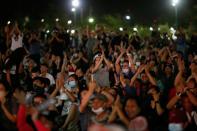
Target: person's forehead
131 102
98 100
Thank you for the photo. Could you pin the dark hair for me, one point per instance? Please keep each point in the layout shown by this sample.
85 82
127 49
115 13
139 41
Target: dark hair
133 99
74 76
35 69
6 85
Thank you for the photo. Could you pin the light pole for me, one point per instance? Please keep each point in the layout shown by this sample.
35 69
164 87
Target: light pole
91 20
175 5
75 5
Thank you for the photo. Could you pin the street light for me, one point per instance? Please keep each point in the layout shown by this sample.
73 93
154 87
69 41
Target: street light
75 3
91 20
151 28
42 20
57 20
175 5
134 29
48 31
72 31
69 22
127 17
121 29
175 2
8 22
73 9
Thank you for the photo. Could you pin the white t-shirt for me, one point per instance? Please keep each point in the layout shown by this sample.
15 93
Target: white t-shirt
16 43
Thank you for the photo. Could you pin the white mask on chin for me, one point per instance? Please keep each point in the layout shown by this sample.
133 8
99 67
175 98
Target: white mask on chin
98 111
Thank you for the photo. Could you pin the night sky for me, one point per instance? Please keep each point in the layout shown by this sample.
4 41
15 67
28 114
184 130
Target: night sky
140 9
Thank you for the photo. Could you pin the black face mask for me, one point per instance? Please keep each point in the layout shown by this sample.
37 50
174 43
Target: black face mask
38 89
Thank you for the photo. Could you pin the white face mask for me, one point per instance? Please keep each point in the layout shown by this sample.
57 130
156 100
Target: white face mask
125 71
98 111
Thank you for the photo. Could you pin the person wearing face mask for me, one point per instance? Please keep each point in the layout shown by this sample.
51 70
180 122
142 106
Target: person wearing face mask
98 108
8 109
124 65
126 70
67 101
93 107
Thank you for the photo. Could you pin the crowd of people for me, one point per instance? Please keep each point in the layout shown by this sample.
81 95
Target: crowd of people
97 81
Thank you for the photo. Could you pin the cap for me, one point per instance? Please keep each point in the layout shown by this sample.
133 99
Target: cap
98 54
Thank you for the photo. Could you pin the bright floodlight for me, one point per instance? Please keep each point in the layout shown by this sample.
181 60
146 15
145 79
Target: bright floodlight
121 29
91 20
72 31
57 19
151 28
73 9
134 29
127 17
42 20
8 22
47 31
175 2
171 28
75 3
69 22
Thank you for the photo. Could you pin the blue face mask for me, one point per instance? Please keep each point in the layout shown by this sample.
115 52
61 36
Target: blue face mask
72 84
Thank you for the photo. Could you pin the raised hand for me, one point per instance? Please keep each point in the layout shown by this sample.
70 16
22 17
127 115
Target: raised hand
181 64
92 85
141 68
147 68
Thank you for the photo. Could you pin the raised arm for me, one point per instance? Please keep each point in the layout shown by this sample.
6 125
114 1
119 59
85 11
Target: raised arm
139 70
117 64
71 116
150 77
86 98
179 77
96 67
